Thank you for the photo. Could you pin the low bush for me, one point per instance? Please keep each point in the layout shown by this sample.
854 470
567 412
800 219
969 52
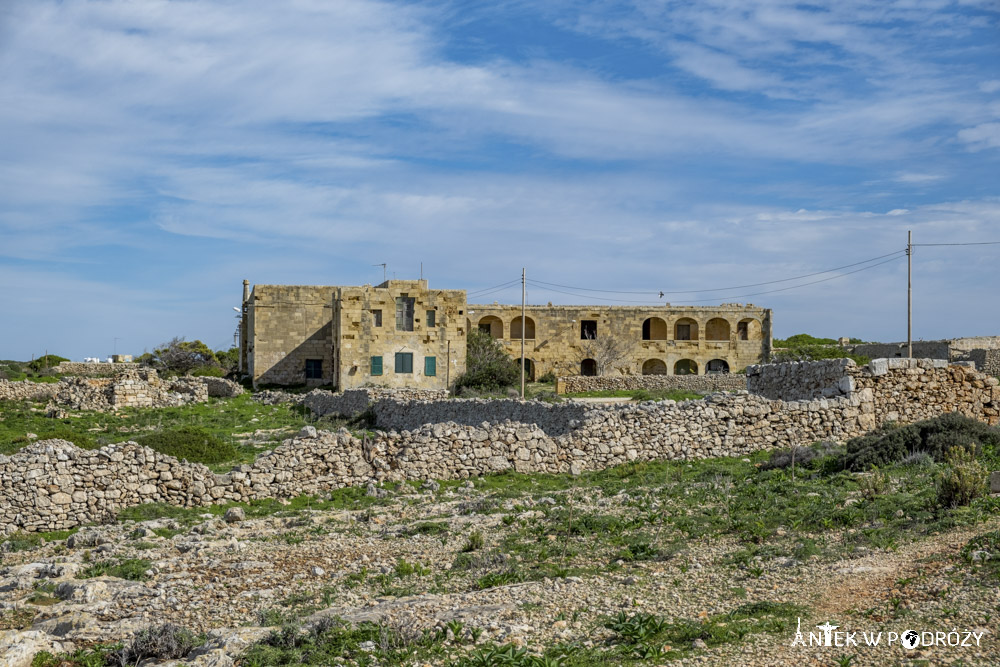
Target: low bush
133 569
161 642
194 444
488 366
893 443
962 481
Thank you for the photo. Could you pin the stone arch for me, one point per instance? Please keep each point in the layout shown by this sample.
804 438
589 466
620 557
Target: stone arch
654 367
748 329
685 329
515 328
654 328
686 367
717 328
529 370
492 325
588 367
717 366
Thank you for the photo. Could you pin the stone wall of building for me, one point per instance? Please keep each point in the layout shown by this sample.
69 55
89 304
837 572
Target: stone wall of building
653 339
92 369
53 485
221 387
702 383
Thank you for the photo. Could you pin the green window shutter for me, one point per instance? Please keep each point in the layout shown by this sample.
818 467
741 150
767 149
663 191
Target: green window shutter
431 318
430 366
376 365
404 362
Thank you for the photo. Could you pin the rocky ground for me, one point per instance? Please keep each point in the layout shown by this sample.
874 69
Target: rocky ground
581 571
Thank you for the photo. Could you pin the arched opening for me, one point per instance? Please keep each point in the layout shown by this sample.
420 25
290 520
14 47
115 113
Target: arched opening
654 367
515 328
654 329
716 366
492 325
748 329
685 367
717 329
588 367
529 370
685 329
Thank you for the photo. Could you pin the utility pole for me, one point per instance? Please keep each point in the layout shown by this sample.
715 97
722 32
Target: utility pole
383 270
522 332
909 294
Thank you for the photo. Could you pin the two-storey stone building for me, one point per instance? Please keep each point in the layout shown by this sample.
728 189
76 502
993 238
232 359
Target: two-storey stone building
404 334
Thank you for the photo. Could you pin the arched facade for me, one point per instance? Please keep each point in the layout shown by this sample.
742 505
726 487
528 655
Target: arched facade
654 367
492 325
686 329
717 329
717 366
748 329
588 367
686 367
654 328
515 328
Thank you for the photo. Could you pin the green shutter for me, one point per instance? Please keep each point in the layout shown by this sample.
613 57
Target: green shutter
404 362
431 318
399 362
376 365
430 366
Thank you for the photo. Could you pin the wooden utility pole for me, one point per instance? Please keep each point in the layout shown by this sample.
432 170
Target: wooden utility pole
909 294
522 332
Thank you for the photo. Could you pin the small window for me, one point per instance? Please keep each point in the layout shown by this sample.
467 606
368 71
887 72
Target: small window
588 329
404 362
314 369
430 366
376 365
404 313
431 318
377 318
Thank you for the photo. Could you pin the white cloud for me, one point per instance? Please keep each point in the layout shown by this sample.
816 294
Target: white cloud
985 135
991 86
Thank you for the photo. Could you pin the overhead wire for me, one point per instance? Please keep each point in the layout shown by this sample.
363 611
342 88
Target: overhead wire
941 244
720 289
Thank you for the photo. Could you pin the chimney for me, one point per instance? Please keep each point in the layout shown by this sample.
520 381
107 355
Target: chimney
246 290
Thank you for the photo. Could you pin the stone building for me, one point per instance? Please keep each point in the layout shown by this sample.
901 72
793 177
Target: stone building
404 334
397 334
650 340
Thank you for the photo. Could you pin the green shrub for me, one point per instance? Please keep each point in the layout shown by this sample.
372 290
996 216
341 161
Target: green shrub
474 543
162 642
46 361
133 569
208 371
549 376
962 481
488 366
194 444
892 443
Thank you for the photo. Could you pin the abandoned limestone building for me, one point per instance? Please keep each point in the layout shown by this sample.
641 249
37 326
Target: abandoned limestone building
404 334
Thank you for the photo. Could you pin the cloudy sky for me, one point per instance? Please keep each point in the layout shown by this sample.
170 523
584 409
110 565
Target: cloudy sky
154 154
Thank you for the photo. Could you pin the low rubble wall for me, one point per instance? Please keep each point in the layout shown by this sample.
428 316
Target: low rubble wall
702 383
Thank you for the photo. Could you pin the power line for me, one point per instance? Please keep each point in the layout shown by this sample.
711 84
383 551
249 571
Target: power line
719 289
941 244
489 289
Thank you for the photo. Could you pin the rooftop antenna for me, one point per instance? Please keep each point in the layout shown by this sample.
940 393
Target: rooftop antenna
383 270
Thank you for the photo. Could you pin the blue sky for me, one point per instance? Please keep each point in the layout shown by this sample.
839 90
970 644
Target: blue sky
154 154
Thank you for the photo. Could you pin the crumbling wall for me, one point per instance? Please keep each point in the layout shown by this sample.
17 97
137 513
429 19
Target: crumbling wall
221 387
800 380
24 390
90 369
704 383
129 388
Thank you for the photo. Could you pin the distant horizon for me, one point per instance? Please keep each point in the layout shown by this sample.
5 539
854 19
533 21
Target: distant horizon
155 154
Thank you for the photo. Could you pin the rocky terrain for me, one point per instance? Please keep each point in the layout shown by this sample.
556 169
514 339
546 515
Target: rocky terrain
554 565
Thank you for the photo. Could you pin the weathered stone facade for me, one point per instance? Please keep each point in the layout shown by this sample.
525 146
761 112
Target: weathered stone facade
54 485
398 334
654 340
350 337
702 383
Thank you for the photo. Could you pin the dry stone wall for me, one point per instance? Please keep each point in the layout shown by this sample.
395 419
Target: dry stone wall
704 383
24 390
90 369
129 388
54 485
800 380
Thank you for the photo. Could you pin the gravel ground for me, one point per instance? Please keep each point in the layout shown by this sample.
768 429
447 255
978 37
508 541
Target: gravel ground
347 563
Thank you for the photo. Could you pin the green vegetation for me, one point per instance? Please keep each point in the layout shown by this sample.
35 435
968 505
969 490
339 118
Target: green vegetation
133 569
488 367
984 551
192 443
28 541
221 419
39 370
803 347
892 443
178 357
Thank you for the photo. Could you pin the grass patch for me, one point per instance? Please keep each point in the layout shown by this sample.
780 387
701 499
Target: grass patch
193 443
28 541
133 569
